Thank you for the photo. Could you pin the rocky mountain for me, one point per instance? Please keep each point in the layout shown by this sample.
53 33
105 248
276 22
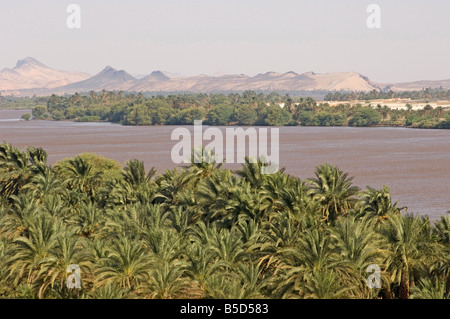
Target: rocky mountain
30 77
30 73
149 81
108 79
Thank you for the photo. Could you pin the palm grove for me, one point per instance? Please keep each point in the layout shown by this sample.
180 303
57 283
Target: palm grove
203 231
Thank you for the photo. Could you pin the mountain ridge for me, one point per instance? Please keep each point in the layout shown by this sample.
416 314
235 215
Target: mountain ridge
30 76
29 73
107 79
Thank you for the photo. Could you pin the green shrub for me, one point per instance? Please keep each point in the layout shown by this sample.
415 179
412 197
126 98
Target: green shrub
365 116
40 112
26 116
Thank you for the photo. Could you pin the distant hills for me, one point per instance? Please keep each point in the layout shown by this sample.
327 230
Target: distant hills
31 77
30 74
419 85
108 79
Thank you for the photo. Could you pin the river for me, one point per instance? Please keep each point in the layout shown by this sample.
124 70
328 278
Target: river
414 163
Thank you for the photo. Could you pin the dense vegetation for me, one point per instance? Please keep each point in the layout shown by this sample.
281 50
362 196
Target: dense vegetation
206 232
248 108
20 103
425 94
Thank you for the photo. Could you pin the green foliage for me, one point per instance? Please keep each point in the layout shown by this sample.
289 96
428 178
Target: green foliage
220 115
160 115
20 103
186 117
97 110
428 93
74 112
26 116
137 115
365 116
247 108
330 119
307 118
411 119
39 112
424 121
323 118
334 191
446 123
245 115
58 115
274 115
108 168
207 232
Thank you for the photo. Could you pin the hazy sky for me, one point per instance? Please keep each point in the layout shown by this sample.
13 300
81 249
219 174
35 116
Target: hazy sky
232 36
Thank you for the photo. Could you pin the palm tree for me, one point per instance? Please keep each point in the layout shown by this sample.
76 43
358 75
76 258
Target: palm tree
89 222
20 217
281 233
79 176
378 203
252 172
203 164
430 289
333 189
358 246
4 287
14 169
37 155
282 192
170 184
249 232
228 247
53 268
324 285
314 252
202 263
45 183
134 173
230 285
28 253
253 280
55 205
134 220
24 291
180 219
441 233
407 236
224 197
109 291
165 246
128 264
167 281
441 230
117 193
98 250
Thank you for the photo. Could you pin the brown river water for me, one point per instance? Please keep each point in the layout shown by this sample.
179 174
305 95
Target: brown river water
414 163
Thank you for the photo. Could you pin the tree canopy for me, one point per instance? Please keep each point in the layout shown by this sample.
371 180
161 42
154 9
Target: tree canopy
203 231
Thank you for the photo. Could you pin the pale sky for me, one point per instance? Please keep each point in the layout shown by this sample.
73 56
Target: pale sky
232 36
